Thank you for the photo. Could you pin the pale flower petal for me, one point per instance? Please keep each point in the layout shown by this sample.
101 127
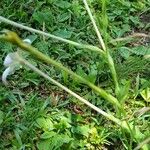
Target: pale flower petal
7 72
27 41
8 60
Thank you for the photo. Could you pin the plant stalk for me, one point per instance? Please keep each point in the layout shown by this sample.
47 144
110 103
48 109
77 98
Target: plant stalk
14 38
83 46
108 116
94 25
108 56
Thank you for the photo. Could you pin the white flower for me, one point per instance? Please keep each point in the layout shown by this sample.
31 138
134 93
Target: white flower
7 72
8 60
12 64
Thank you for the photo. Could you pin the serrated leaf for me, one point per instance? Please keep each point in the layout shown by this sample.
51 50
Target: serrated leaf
42 46
42 17
63 124
140 50
59 140
54 142
92 74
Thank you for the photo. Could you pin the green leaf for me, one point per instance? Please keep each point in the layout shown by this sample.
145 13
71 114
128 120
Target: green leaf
41 17
42 46
65 76
124 91
124 52
44 144
45 124
140 50
59 140
83 130
63 124
54 143
16 131
92 75
146 94
63 33
62 4
134 19
47 134
63 17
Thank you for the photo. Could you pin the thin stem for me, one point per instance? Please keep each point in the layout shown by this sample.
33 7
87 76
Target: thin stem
130 37
84 46
94 25
143 144
123 124
13 38
109 58
48 60
113 72
108 116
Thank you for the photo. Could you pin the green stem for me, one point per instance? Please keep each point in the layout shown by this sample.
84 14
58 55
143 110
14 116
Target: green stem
48 60
113 72
84 46
94 25
13 38
106 52
108 116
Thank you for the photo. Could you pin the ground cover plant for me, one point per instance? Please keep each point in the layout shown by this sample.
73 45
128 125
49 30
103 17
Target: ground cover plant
36 114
